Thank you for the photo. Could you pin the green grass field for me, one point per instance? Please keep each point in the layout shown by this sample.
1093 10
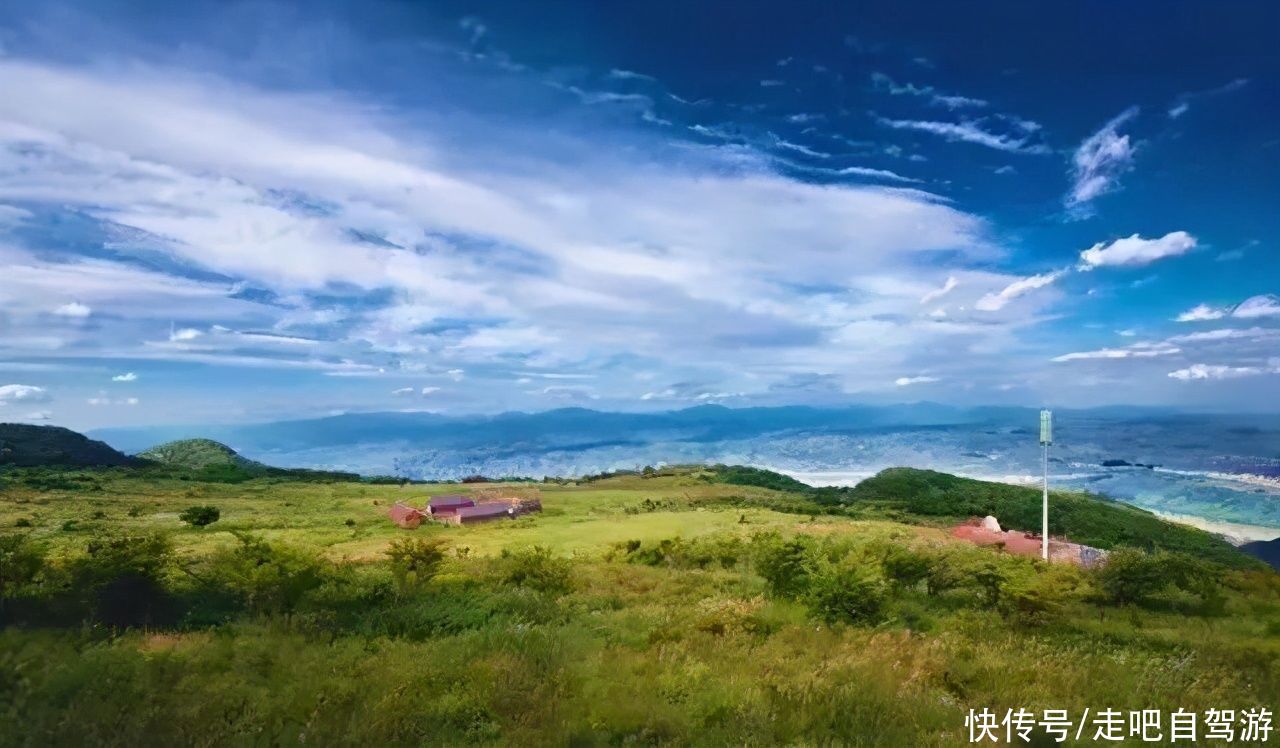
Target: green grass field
668 610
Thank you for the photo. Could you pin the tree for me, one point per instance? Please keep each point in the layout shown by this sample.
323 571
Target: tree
1130 576
121 579
783 564
414 561
200 516
20 562
905 566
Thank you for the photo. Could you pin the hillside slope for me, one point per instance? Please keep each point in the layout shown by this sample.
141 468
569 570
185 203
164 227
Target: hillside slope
1081 517
25 445
198 454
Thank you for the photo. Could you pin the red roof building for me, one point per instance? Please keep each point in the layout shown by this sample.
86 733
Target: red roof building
467 515
405 516
441 506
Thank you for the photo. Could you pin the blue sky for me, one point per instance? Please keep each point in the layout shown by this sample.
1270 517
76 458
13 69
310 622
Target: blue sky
250 211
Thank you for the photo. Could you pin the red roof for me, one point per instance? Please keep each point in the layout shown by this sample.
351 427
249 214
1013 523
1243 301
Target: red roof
451 501
484 510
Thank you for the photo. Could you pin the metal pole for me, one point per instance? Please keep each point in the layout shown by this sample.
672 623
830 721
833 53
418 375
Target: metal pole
1044 517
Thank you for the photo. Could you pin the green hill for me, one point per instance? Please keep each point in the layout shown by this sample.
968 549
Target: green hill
910 492
25 445
199 454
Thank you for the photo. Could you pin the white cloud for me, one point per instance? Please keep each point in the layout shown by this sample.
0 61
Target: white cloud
39 415
15 393
938 293
1099 162
428 390
402 391
126 377
1226 334
1137 350
997 300
1214 371
1134 250
186 333
1266 305
73 309
969 132
1202 312
908 381
456 374
1254 307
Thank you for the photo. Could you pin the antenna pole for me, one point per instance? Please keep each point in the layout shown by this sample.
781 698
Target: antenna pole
1044 515
1046 438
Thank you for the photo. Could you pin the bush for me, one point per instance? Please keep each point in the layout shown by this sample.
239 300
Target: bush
414 561
784 564
846 592
1038 598
1130 576
990 578
200 516
906 567
20 563
265 578
536 568
120 579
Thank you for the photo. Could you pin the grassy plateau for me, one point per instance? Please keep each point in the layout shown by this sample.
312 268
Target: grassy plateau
685 606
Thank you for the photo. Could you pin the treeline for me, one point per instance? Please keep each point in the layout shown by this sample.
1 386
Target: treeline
138 581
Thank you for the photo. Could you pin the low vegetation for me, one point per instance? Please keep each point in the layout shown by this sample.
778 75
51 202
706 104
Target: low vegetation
662 608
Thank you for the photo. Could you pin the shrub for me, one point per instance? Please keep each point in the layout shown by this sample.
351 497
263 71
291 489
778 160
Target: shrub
990 578
200 516
120 579
414 561
20 562
846 592
1130 576
784 564
943 575
536 568
265 578
906 567
1037 599
23 522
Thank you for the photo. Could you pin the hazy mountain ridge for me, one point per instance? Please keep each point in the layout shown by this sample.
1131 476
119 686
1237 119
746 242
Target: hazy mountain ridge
25 445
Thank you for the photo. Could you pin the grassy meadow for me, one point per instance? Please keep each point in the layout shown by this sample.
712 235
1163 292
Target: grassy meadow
675 609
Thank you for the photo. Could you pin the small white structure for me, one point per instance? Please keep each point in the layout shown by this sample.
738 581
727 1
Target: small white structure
991 523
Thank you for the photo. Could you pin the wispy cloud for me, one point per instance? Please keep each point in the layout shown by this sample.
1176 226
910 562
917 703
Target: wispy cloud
1134 250
1215 371
1137 350
1182 104
126 377
938 293
970 132
950 101
908 381
996 301
1099 162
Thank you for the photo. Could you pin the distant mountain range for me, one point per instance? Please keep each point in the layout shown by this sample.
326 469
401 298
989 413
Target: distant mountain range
576 427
